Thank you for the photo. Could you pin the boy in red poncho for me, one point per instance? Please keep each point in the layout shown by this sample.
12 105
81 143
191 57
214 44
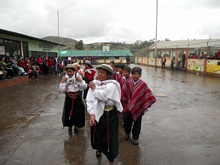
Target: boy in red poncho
119 74
139 98
126 77
89 75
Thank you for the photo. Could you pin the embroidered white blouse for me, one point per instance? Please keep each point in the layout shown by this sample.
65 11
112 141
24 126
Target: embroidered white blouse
73 85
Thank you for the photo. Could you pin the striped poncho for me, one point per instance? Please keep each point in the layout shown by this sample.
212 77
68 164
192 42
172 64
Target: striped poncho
138 96
120 79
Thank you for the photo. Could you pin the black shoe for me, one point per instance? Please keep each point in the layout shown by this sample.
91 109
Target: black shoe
98 154
70 130
76 130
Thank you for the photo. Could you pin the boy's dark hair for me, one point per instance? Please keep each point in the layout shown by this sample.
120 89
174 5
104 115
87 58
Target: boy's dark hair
136 69
112 62
127 68
119 65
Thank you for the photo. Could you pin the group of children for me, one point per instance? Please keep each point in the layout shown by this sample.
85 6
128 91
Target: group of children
136 98
112 88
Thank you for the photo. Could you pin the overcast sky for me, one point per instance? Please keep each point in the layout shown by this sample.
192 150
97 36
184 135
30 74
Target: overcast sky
112 20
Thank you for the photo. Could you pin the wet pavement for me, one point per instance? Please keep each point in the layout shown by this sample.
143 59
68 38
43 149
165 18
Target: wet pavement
182 128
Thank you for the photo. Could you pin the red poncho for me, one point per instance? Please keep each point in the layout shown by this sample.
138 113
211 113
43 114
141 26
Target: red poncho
138 96
119 78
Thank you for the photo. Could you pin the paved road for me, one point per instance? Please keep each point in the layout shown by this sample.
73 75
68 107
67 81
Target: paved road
182 128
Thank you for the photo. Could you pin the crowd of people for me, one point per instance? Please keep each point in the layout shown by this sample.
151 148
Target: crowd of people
203 55
35 67
109 91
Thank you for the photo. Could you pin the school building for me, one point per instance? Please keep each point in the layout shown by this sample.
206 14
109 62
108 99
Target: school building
201 56
17 44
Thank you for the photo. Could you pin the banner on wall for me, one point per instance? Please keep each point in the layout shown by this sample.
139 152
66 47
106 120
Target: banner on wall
213 66
145 60
196 64
151 61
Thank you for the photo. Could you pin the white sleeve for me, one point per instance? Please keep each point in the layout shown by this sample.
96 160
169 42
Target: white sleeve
82 85
63 87
89 102
99 94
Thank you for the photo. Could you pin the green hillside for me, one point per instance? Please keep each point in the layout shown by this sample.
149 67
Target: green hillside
138 48
68 42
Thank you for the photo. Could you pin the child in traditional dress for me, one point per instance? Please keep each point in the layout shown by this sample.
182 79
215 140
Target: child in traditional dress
126 77
119 75
139 98
38 70
126 74
78 69
103 102
112 64
89 75
74 109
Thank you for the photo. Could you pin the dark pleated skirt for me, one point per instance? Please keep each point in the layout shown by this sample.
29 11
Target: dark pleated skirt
104 136
78 113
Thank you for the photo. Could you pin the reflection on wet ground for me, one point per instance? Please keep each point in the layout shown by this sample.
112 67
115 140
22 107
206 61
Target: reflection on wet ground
182 128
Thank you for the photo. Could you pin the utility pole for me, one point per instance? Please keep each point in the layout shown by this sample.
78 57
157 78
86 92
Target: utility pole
58 24
58 28
155 56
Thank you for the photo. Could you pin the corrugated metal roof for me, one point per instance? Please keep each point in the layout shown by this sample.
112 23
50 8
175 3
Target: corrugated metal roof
187 44
84 53
26 36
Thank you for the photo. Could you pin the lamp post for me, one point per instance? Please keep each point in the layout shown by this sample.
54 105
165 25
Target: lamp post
155 64
58 30
58 23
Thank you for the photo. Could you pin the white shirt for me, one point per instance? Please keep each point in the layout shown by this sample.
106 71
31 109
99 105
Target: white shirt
135 82
72 84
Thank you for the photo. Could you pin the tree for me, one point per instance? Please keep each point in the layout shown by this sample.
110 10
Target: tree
79 45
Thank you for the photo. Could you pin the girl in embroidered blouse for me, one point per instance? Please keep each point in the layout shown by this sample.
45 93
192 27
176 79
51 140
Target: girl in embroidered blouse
74 109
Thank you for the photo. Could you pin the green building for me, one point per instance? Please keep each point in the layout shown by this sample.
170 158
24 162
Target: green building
12 43
100 55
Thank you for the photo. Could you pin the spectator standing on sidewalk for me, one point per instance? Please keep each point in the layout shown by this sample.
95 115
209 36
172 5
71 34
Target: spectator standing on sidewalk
128 60
74 109
183 60
40 62
173 63
163 62
45 65
103 102
55 63
50 64
140 98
